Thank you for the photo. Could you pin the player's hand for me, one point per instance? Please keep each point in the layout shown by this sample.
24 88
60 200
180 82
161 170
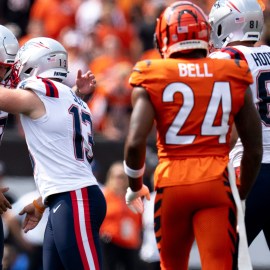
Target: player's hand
4 203
32 218
86 83
134 201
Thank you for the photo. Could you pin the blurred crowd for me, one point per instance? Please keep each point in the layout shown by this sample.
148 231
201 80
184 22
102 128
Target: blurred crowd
105 36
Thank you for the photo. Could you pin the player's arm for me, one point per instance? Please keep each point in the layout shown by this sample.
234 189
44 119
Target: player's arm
21 101
141 123
33 213
234 137
248 125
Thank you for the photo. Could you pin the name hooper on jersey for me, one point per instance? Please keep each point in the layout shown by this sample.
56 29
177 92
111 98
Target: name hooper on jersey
261 59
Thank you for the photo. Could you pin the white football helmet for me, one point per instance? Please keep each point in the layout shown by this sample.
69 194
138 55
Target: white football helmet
43 57
8 48
235 20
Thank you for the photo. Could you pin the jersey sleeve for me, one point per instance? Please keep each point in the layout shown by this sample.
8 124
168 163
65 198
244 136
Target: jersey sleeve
232 70
41 86
139 73
228 53
219 55
243 71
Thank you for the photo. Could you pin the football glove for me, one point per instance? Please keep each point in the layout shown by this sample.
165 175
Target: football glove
134 201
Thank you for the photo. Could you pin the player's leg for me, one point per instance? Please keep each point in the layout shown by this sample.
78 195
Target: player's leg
1 242
51 259
257 205
263 180
173 227
76 218
215 226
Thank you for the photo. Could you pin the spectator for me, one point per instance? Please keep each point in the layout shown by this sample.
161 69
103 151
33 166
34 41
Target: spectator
16 12
112 102
54 15
28 243
87 15
70 38
149 253
121 230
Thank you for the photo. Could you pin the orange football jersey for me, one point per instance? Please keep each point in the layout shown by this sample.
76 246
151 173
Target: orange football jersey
195 103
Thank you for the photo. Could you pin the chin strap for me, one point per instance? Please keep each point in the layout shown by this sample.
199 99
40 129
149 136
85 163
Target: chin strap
14 79
228 40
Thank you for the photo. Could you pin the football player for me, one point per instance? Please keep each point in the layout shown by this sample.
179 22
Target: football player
236 27
194 101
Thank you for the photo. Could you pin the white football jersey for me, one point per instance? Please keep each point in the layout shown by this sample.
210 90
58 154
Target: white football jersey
60 142
258 59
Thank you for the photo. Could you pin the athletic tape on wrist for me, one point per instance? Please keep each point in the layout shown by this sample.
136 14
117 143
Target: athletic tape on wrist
40 209
133 173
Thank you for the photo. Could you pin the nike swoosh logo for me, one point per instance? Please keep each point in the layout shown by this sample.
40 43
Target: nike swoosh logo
56 208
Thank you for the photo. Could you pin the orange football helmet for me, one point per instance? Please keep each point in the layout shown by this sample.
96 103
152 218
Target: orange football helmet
182 27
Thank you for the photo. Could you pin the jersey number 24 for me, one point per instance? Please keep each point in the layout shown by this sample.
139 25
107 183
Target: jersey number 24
221 96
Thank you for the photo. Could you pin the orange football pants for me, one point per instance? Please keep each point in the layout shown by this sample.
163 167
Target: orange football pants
205 211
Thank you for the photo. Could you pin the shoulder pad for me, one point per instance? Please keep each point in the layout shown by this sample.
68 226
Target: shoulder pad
41 86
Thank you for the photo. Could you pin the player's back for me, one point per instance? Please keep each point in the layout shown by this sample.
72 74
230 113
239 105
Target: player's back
60 142
195 102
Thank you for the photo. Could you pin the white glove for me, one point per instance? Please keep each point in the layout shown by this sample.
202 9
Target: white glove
134 201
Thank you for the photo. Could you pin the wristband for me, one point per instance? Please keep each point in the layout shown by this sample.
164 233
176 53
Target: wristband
38 207
133 173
